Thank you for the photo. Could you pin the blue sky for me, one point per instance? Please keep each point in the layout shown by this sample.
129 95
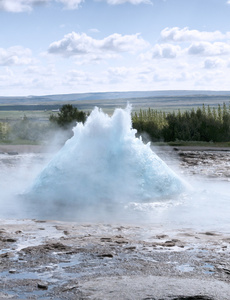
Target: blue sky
74 46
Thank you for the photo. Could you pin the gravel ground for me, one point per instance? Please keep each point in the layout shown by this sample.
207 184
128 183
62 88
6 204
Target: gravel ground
46 259
40 149
61 260
14 149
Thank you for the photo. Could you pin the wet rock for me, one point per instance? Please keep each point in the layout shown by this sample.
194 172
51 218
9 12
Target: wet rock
131 248
40 221
10 240
69 288
57 246
211 233
227 271
109 255
7 255
169 244
47 247
12 153
120 228
121 242
161 236
42 285
106 240
198 297
182 154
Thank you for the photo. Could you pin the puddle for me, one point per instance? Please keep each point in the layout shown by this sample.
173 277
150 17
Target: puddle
208 269
23 275
185 268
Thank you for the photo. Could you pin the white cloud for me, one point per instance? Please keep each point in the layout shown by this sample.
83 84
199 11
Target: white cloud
73 44
97 58
18 6
213 63
119 71
39 70
177 34
119 74
123 43
76 77
15 56
209 49
165 51
81 44
6 75
71 4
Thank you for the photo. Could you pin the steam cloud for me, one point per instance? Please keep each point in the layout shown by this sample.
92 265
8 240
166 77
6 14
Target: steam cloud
105 162
105 173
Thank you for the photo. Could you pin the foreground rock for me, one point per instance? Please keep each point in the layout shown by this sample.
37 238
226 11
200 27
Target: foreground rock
60 260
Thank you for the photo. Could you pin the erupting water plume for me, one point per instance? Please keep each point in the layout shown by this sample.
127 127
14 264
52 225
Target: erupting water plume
105 162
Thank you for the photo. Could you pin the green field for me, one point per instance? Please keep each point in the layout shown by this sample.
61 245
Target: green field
41 111
16 115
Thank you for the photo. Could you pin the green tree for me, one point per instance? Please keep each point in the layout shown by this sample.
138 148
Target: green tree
67 116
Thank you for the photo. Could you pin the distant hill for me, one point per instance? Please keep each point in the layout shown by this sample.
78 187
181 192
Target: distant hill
50 99
160 100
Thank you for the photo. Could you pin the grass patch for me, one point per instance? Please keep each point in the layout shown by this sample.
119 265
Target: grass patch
19 142
13 116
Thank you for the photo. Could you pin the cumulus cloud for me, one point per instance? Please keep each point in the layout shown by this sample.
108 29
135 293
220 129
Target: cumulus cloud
28 5
177 34
18 6
76 77
15 56
209 49
119 73
39 70
165 51
82 44
71 4
213 63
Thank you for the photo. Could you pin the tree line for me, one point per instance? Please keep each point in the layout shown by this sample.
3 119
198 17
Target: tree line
201 124
33 131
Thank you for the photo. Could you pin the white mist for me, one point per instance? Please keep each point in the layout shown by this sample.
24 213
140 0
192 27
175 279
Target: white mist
105 163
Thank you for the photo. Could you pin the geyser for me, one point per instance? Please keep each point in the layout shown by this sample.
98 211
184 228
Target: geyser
104 162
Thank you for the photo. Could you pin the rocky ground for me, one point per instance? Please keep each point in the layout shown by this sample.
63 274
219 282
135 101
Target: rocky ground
60 260
204 162
67 260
